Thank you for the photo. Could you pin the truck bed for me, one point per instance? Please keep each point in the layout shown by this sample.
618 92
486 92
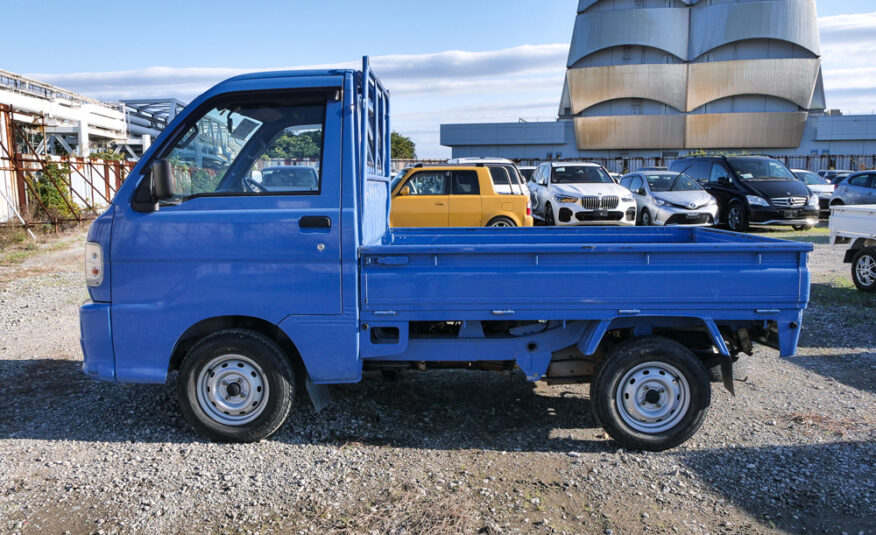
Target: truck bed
580 273
853 222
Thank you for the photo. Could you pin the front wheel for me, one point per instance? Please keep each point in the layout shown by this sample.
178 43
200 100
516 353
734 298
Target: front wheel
807 226
236 386
549 216
645 218
737 219
651 394
864 269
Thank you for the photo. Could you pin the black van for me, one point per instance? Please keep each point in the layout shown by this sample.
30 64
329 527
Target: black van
752 190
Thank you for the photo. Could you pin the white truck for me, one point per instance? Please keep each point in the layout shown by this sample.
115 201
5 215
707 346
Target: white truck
856 224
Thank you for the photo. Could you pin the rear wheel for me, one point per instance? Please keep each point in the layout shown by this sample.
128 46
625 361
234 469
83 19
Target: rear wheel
864 269
651 394
549 216
807 226
236 386
501 221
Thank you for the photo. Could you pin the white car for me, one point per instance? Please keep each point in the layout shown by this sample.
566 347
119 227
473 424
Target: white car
818 185
507 179
579 193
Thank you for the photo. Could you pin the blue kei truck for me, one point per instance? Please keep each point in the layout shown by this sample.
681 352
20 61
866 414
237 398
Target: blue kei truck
253 285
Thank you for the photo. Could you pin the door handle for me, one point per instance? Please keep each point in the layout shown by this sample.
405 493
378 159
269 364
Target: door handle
315 221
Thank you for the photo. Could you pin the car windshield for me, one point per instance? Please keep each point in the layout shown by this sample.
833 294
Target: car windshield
668 182
811 179
580 174
759 168
291 178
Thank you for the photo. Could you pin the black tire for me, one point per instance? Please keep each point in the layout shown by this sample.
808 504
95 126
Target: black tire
741 371
803 227
866 257
276 374
639 354
549 216
645 218
501 221
737 217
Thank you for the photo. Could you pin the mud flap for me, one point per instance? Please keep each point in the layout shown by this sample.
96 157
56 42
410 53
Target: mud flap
320 395
534 365
727 373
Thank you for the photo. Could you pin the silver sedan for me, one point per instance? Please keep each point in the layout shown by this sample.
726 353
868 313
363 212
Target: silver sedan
668 198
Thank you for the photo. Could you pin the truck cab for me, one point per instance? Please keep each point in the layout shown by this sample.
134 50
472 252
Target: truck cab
251 288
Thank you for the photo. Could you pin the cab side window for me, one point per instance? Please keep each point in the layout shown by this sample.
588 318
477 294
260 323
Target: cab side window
427 183
636 185
465 183
718 171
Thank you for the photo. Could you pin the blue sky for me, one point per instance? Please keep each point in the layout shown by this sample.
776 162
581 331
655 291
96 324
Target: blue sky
447 61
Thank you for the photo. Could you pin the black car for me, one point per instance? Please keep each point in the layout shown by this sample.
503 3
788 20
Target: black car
753 190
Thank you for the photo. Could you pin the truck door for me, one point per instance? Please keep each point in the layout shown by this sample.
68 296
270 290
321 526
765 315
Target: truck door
252 229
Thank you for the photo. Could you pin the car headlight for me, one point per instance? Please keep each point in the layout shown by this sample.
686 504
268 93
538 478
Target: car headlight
93 264
628 198
754 200
660 202
712 201
566 199
813 201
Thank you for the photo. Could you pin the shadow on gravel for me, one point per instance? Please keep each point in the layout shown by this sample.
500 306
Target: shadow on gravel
851 369
829 487
437 410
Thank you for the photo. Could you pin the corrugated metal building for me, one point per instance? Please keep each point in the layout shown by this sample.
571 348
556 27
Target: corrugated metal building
661 78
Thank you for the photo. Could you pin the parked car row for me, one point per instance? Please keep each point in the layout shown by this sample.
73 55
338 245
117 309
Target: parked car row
735 191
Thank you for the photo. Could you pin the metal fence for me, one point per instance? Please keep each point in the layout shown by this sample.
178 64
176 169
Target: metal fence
47 189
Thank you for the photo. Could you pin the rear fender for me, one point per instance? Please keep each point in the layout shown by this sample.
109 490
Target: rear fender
644 326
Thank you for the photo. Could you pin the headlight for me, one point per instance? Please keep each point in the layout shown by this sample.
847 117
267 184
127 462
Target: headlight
566 199
660 202
813 201
628 198
712 201
754 200
93 264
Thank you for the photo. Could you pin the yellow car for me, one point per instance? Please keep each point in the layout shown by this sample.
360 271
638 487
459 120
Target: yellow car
454 196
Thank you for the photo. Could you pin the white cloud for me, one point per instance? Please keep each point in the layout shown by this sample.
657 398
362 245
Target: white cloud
848 46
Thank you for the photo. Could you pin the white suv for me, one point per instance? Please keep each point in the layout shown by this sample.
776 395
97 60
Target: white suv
579 193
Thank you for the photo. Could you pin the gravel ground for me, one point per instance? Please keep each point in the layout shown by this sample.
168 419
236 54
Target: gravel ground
444 452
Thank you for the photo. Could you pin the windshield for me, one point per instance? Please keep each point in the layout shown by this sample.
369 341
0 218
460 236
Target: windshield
580 174
759 168
811 179
665 182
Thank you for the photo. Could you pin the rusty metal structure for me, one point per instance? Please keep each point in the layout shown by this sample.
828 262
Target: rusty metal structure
79 186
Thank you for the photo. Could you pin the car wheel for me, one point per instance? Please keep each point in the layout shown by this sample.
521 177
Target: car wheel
737 219
645 219
236 386
651 394
501 221
803 227
549 216
864 269
836 203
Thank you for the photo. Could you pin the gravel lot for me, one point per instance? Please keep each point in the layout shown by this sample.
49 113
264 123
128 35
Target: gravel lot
444 452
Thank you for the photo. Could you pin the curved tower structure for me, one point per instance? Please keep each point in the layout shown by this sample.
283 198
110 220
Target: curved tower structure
692 74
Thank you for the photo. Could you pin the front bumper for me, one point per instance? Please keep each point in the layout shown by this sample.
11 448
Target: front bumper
96 340
572 214
761 215
698 217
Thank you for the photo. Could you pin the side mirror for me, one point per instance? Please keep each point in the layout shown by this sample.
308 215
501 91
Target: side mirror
404 191
256 176
641 191
724 181
162 180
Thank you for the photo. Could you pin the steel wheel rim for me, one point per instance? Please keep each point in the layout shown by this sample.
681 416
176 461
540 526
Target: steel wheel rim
653 397
734 217
865 268
232 390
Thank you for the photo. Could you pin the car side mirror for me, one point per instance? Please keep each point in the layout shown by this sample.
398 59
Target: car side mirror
724 181
256 176
641 191
162 180
404 191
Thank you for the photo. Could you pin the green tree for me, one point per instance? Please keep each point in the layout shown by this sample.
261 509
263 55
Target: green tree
303 145
403 148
